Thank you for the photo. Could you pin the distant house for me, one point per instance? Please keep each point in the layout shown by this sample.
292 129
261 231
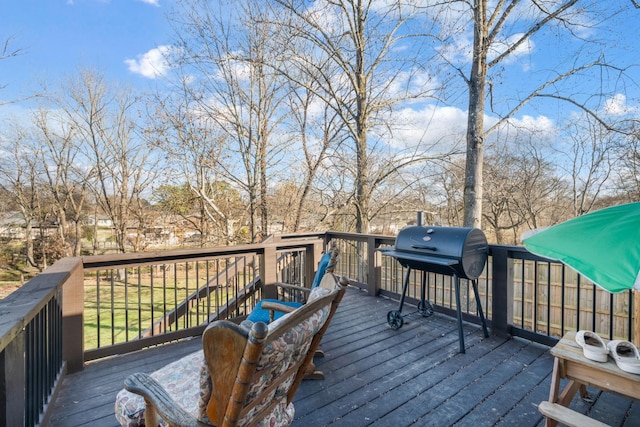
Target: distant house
12 225
100 221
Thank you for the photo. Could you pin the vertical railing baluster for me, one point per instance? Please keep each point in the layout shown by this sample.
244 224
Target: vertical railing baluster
218 288
29 373
562 300
175 296
41 356
593 307
523 288
208 294
113 314
126 310
167 324
548 298
630 315
610 316
197 294
578 327
152 301
536 286
98 302
139 285
186 294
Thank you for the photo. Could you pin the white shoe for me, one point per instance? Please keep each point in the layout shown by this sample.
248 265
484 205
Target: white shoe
593 347
626 355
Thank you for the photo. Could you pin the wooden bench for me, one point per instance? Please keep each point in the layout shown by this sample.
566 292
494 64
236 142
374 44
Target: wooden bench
567 416
569 362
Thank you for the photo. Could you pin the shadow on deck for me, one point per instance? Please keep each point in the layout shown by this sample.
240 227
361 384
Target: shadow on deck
378 376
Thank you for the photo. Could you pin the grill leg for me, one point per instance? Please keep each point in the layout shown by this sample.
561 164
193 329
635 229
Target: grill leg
484 323
405 285
459 310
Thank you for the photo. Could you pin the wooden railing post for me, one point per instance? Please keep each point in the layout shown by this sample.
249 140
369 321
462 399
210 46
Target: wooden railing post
374 281
502 291
314 253
73 314
268 272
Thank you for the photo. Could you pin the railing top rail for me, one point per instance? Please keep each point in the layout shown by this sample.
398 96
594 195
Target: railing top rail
361 237
518 252
22 305
145 258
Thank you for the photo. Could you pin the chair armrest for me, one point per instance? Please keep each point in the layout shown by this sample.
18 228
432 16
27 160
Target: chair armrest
274 306
156 395
293 287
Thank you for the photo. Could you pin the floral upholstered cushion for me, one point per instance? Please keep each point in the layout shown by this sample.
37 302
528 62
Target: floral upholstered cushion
280 355
321 291
178 379
281 416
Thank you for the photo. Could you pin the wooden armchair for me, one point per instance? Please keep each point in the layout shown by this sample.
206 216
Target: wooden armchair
242 377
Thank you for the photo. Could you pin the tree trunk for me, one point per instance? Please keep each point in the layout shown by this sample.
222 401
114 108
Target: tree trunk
363 195
77 247
29 242
475 121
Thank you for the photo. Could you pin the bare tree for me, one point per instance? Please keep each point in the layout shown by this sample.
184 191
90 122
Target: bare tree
63 174
351 50
541 194
318 130
521 189
591 156
118 159
8 51
628 177
506 29
226 51
448 197
194 145
20 172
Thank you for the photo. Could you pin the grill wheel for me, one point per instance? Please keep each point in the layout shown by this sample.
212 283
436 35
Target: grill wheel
395 320
425 308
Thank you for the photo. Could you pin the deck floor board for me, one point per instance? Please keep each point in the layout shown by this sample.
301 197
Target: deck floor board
378 376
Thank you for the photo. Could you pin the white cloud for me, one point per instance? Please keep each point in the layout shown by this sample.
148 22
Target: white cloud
152 64
151 2
535 125
443 128
617 105
439 127
459 51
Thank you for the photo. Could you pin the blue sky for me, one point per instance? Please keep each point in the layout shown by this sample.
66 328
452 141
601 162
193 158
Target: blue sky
123 39
59 36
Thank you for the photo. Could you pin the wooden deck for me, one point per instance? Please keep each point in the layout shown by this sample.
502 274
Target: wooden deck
381 377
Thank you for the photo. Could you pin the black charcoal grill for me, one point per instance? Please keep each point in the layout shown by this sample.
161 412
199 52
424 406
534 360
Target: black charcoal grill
452 251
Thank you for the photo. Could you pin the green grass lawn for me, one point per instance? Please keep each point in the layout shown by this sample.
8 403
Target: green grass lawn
123 304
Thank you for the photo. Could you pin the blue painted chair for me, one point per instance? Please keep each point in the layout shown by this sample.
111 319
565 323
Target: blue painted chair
268 310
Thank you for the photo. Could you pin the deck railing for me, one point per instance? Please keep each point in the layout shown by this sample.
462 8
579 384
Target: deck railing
86 308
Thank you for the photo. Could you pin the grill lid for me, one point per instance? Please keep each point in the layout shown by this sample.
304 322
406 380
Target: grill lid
446 250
